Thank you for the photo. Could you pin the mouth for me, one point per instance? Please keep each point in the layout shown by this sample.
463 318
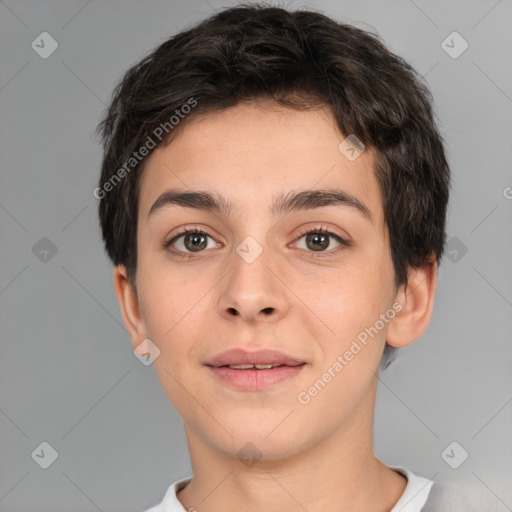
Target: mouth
254 371
255 377
255 366
238 358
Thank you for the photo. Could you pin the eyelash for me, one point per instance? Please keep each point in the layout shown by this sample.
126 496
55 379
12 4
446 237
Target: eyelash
317 230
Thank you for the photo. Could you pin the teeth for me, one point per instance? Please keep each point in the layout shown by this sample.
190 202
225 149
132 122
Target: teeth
249 366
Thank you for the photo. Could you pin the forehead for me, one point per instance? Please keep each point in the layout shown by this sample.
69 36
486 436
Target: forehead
252 153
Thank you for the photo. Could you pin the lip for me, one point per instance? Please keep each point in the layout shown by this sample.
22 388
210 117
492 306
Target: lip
253 379
241 356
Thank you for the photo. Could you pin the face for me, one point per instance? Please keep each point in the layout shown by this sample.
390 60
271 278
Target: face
253 278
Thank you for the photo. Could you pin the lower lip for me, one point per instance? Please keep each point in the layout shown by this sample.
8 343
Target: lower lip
255 380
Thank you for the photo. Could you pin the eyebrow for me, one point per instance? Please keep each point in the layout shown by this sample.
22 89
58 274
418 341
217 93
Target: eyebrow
284 203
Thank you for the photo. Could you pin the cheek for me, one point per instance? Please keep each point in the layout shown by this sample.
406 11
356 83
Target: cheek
350 305
167 295
350 296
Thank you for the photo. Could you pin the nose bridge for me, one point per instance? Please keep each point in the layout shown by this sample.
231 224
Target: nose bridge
252 290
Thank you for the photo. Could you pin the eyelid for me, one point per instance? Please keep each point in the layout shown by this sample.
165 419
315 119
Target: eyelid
186 231
343 242
320 228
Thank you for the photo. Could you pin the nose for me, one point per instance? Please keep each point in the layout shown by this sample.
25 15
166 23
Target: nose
254 291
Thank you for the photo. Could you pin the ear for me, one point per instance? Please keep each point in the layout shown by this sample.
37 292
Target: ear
129 305
417 299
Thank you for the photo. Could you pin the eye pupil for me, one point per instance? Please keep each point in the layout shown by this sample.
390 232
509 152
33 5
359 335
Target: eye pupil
198 241
317 237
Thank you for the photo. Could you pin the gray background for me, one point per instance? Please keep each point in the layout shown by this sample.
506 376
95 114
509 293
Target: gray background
68 375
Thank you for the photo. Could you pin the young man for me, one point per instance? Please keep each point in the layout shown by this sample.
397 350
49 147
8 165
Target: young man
273 197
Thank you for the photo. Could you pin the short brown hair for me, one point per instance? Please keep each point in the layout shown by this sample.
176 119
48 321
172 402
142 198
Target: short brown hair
299 59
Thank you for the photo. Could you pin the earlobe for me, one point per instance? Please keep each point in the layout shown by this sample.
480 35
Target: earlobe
417 299
129 305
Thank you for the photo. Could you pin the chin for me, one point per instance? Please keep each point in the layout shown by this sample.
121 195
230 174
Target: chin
253 444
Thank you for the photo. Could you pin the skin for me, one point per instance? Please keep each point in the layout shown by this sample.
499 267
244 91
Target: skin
318 456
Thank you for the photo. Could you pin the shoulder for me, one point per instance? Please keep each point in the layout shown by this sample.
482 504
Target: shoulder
460 497
425 495
416 492
170 502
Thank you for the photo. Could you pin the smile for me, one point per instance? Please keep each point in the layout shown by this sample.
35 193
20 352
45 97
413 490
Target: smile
260 377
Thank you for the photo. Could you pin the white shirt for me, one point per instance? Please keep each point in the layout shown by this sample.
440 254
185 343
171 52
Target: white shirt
412 500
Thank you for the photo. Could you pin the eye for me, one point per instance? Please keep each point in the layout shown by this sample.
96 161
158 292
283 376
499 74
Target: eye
189 241
318 240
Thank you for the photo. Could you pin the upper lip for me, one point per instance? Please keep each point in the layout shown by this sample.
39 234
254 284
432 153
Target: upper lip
241 356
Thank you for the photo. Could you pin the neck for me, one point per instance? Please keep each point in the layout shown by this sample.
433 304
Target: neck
338 472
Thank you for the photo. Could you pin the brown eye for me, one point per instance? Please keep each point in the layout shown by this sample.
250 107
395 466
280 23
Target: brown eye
319 240
195 241
187 242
